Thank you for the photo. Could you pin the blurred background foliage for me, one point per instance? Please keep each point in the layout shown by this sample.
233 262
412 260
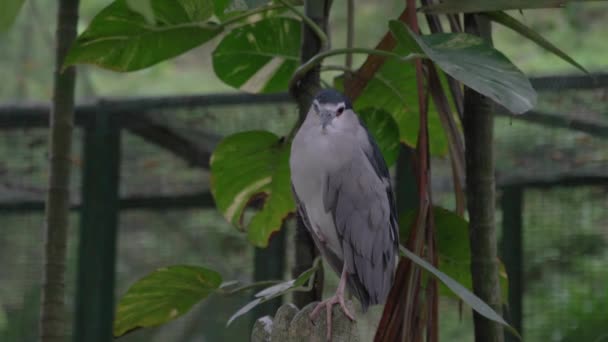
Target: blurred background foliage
565 228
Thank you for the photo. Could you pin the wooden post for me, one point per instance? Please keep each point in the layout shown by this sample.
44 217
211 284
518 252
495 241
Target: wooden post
98 227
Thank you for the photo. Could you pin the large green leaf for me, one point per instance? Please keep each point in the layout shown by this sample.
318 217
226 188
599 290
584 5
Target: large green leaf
259 57
467 296
393 89
164 295
384 130
472 6
253 165
303 282
143 7
470 60
512 23
452 247
120 38
9 12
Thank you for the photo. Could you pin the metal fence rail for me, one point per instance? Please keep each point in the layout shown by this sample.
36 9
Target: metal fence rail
103 121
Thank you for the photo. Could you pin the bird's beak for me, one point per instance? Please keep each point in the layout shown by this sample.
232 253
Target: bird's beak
325 118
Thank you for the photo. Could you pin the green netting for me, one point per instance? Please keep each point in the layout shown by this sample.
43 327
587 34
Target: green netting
564 237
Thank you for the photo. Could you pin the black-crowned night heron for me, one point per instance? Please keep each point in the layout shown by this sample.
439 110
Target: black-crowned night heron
344 196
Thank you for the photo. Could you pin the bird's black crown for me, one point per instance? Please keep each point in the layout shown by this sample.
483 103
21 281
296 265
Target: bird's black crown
333 96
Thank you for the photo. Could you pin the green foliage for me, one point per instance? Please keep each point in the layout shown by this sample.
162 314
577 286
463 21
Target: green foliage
121 39
10 10
463 293
393 89
385 131
512 23
163 296
303 282
259 57
453 248
476 64
586 316
251 165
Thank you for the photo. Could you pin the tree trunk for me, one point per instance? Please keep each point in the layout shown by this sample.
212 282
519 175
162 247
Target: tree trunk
478 132
305 251
52 316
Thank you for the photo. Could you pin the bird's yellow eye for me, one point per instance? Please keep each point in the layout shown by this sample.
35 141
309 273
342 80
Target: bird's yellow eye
340 111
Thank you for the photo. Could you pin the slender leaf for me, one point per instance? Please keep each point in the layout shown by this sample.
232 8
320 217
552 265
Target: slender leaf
259 57
121 39
467 296
302 283
248 166
475 63
474 6
164 295
438 83
8 14
453 248
517 26
384 130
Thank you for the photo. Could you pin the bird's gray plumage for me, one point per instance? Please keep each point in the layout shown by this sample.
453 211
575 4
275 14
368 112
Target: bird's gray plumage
343 192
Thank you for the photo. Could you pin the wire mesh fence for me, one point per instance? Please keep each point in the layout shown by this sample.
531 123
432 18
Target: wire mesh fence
167 215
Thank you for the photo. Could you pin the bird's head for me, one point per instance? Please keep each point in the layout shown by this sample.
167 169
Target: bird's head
331 106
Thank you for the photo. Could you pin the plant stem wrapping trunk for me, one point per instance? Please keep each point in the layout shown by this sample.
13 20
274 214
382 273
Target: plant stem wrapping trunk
52 316
305 251
478 132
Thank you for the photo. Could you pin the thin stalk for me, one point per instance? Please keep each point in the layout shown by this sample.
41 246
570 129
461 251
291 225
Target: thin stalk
318 58
52 313
313 26
350 31
372 64
247 14
478 124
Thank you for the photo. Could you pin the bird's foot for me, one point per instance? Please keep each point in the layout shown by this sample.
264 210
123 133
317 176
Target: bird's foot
328 304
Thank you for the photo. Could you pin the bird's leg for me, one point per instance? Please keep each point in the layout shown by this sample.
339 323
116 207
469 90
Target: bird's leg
338 298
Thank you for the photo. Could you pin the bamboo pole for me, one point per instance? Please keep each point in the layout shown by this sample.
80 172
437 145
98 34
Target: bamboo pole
478 132
52 315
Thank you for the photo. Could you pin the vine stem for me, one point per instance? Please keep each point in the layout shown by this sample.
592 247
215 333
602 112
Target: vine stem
318 58
316 28
254 11
350 31
283 3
